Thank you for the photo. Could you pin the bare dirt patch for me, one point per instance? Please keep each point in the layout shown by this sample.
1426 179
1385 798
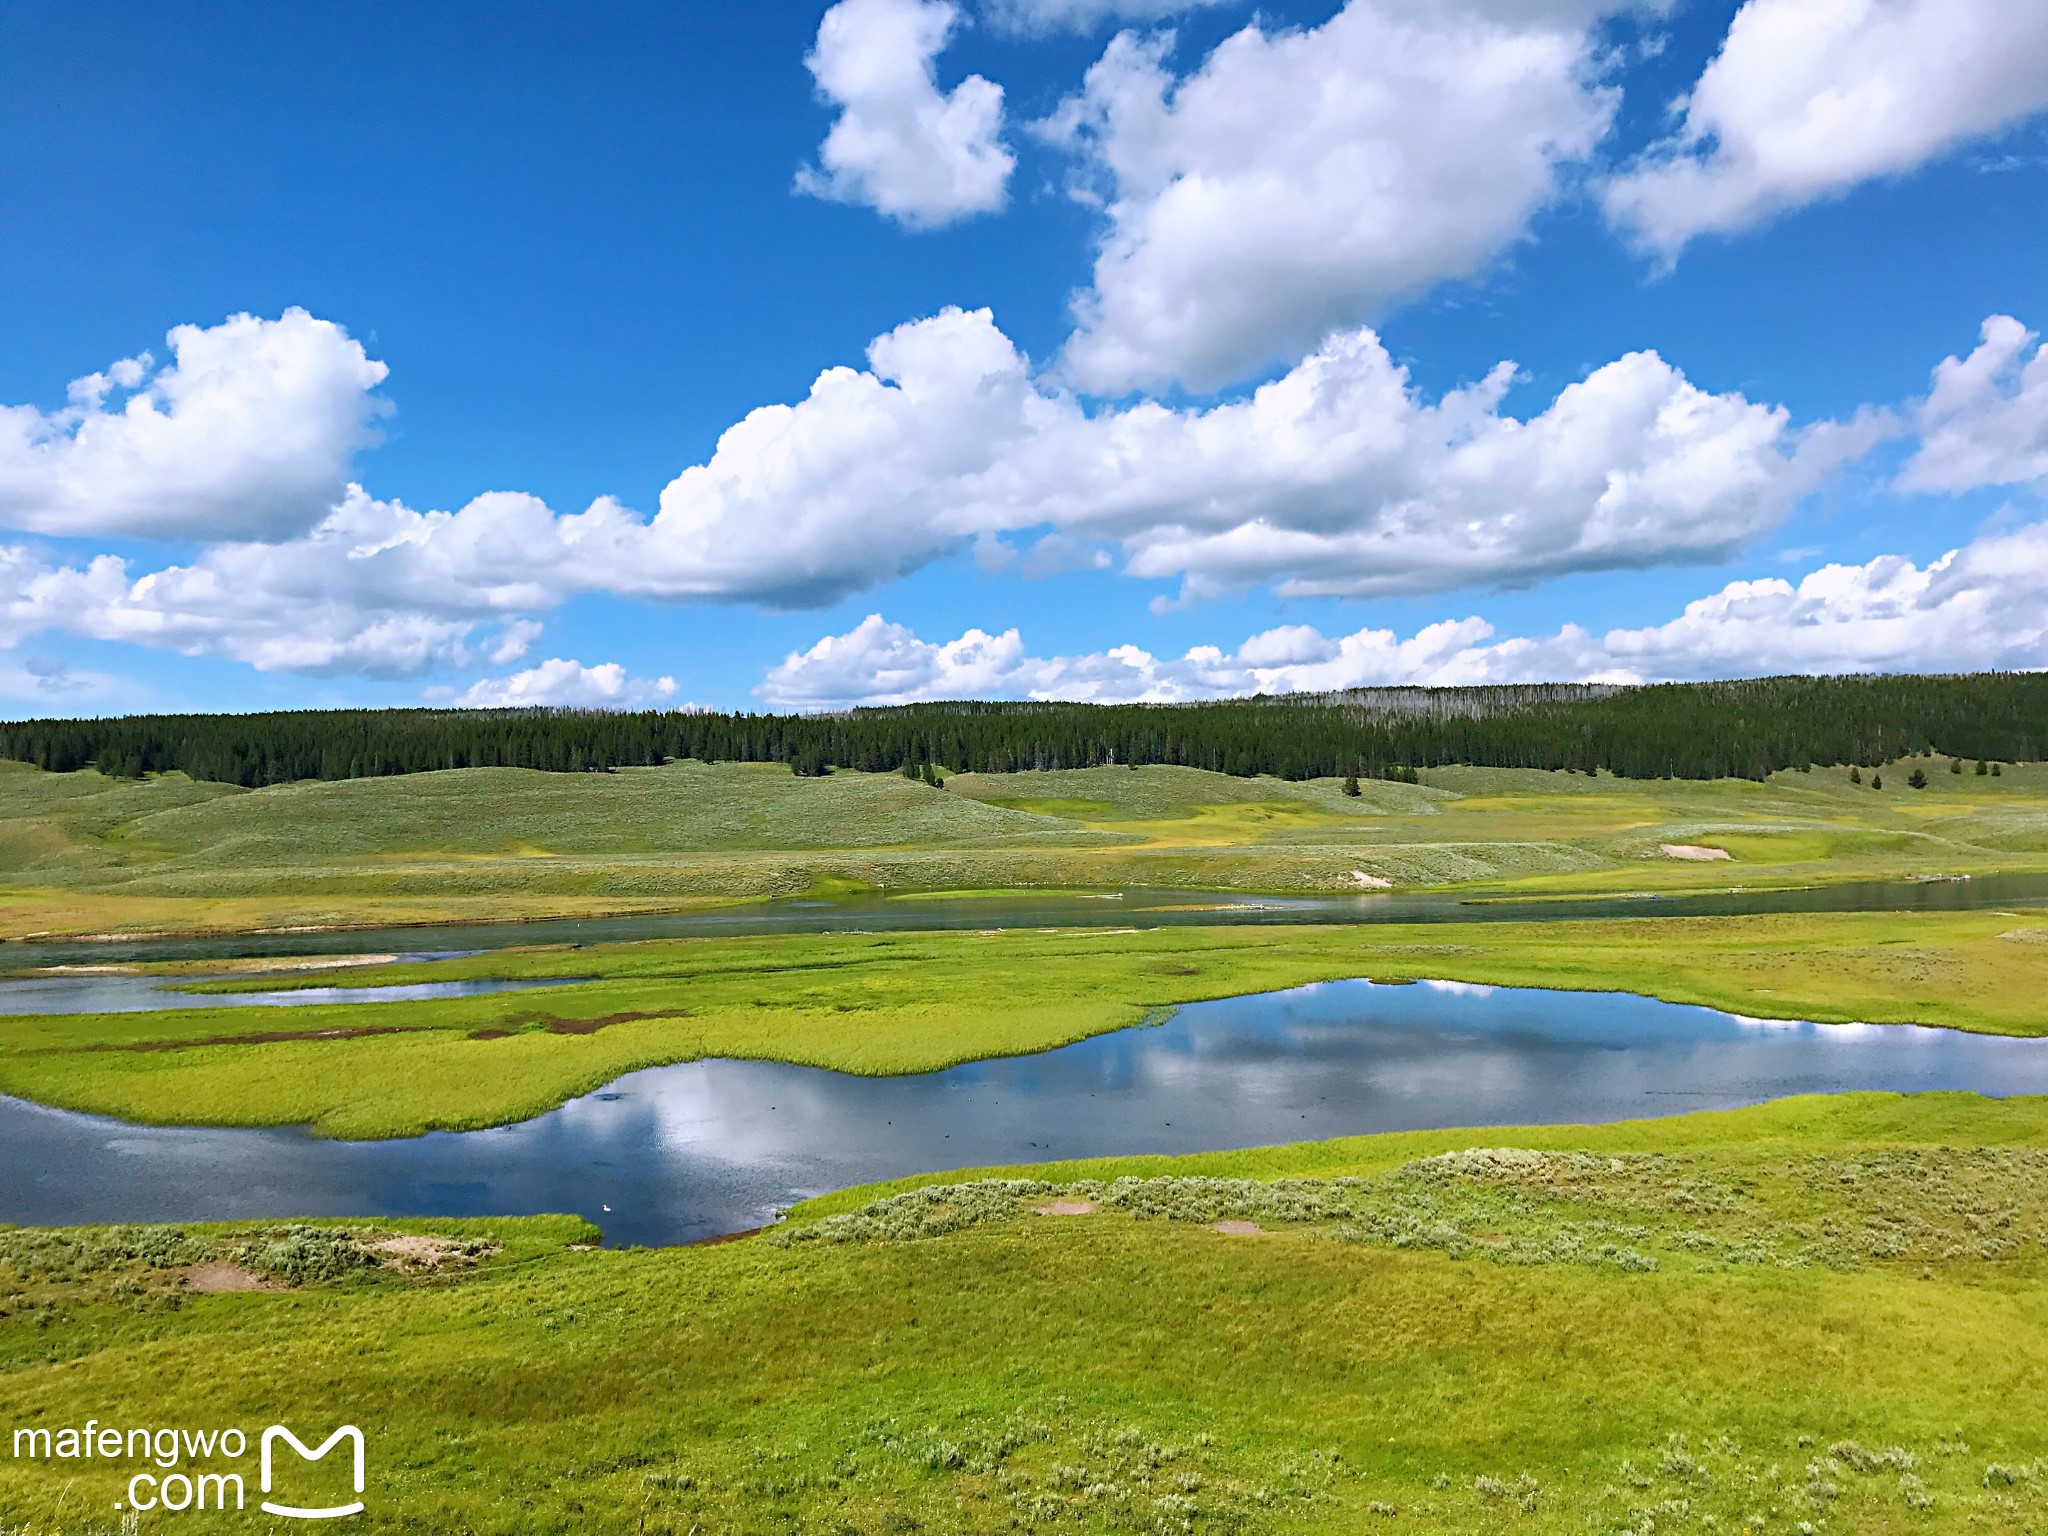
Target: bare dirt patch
254 966
1236 1228
413 1253
1692 851
222 1275
265 964
1371 882
1066 1208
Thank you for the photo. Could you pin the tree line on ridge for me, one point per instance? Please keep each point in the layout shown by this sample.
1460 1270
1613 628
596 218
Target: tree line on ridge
1741 729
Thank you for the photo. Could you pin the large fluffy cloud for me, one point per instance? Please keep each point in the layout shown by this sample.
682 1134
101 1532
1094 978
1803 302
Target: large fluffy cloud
228 604
352 597
900 145
1299 180
246 434
1982 606
559 683
1339 478
1985 422
1809 97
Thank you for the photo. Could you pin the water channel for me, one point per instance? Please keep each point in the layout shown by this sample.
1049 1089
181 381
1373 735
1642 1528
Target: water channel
680 1153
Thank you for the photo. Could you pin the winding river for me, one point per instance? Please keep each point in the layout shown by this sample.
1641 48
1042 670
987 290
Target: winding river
681 1153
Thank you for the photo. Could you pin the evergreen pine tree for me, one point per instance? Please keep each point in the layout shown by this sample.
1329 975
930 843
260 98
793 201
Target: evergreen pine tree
1877 781
1917 780
1855 774
1351 786
1980 768
1955 765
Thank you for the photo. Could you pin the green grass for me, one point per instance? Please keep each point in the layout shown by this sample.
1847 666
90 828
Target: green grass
83 854
1822 1314
1845 1330
895 1003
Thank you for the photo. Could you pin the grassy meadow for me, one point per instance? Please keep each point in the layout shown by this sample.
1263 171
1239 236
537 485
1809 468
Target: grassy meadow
1821 1315
896 1003
81 853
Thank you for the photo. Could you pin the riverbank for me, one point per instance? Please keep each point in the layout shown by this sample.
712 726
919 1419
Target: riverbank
882 1004
1113 1371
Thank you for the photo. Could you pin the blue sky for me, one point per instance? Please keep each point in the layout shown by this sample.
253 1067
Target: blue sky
1725 247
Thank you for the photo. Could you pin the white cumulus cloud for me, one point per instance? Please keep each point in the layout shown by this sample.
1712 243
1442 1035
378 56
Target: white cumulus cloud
1036 18
1339 478
900 145
1807 98
1299 181
246 434
564 684
1985 422
1983 606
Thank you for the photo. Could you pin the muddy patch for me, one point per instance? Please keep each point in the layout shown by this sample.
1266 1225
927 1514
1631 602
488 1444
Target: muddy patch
554 1024
255 1037
703 1242
1235 1228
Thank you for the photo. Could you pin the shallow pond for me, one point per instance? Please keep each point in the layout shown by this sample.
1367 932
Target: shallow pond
685 1152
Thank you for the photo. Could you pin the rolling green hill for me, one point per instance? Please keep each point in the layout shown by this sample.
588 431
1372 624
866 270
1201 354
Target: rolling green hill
81 852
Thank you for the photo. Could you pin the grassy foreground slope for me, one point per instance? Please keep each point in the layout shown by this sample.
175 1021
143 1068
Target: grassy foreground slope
83 853
1821 1316
892 1003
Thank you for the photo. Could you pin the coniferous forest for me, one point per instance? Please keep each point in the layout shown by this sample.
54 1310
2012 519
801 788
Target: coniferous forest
1743 729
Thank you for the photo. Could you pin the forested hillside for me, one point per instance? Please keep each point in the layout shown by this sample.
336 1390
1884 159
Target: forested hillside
1681 730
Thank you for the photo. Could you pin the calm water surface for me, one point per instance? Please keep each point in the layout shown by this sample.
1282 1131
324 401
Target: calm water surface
155 994
685 1152
1131 908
